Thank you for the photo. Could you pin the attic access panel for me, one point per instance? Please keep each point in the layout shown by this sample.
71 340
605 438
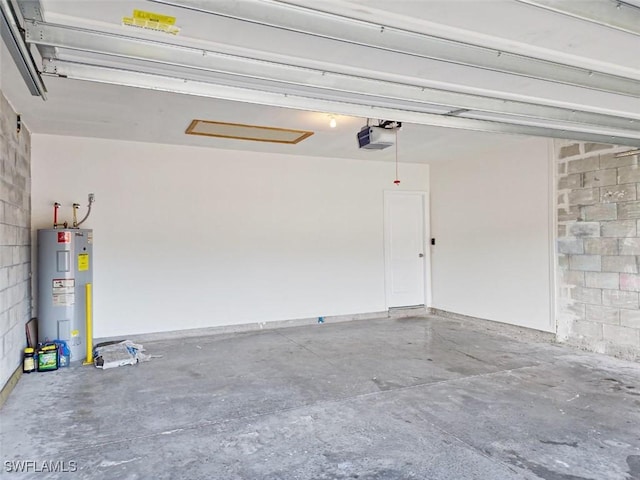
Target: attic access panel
241 131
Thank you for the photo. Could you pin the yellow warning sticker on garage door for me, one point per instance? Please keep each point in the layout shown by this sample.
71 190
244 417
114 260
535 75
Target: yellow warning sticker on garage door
83 262
152 21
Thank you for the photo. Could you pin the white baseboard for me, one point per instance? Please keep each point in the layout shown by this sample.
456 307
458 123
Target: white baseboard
245 327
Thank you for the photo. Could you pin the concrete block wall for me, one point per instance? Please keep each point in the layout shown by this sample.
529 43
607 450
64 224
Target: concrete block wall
598 248
15 239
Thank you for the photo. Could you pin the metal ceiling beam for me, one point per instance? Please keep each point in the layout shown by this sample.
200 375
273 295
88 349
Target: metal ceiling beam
13 39
360 88
394 38
199 88
32 10
617 15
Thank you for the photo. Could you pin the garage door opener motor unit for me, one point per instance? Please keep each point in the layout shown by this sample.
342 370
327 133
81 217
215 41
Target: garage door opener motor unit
378 137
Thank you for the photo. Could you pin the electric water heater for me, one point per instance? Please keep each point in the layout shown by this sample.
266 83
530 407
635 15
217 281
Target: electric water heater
65 267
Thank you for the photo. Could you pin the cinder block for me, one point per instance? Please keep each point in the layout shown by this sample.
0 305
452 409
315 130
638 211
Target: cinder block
619 263
583 165
569 150
563 261
562 168
570 182
630 318
592 147
24 290
23 217
584 229
5 301
610 161
26 312
9 234
25 272
584 196
14 296
569 214
602 314
601 246
619 228
584 329
587 295
5 190
14 341
6 256
564 291
630 174
629 246
571 310
23 236
4 279
600 178
587 263
619 335
14 315
562 200
20 181
562 231
630 281
570 277
619 193
621 299
628 210
15 274
571 245
11 215
602 280
603 211
22 254
599 212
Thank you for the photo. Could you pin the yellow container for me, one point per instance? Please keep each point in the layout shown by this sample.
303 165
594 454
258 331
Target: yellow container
29 360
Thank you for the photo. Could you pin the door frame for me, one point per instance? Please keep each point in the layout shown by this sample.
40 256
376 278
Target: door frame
426 236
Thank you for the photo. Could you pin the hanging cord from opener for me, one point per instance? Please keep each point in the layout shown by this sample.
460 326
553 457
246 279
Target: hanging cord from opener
397 180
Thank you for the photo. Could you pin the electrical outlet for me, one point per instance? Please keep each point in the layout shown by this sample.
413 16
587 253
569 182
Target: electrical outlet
92 198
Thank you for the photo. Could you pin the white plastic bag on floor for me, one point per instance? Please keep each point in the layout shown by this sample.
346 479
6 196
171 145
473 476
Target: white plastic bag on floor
118 354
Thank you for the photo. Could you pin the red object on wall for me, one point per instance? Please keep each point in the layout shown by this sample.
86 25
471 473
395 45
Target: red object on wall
64 237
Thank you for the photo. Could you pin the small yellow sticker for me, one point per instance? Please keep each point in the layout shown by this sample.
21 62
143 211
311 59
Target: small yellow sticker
83 262
154 17
75 333
152 21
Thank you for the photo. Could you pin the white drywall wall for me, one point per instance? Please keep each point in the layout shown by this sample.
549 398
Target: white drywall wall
490 216
190 237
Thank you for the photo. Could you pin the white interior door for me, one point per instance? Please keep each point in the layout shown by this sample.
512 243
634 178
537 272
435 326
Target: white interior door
405 248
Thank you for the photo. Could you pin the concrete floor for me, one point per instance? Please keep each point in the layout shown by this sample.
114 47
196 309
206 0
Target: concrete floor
423 398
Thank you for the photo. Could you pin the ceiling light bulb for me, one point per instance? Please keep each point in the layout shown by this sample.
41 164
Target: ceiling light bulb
332 122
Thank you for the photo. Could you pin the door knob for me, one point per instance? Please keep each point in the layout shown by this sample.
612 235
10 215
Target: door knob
421 255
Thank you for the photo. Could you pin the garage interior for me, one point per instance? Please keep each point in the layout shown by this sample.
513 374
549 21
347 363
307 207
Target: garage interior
462 304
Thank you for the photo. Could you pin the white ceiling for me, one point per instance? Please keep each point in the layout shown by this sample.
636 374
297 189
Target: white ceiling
88 108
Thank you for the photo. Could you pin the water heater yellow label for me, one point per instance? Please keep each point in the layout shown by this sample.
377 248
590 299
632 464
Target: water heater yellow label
83 262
